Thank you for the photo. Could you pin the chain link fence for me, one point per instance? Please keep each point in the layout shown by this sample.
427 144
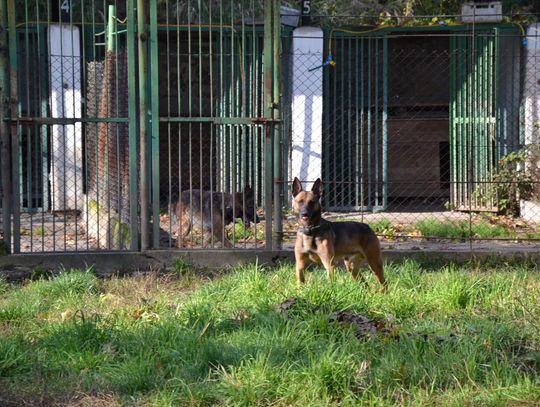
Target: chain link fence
430 136
428 133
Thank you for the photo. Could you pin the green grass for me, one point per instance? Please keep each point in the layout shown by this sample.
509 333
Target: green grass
40 231
456 335
462 229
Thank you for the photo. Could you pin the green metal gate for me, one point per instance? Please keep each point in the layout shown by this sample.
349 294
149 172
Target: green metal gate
355 122
483 119
214 84
71 126
115 108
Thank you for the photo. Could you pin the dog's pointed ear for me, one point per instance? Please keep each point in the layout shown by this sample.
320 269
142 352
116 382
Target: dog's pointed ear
248 189
296 187
317 188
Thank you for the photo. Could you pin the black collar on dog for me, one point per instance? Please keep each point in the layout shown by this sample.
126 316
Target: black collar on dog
312 230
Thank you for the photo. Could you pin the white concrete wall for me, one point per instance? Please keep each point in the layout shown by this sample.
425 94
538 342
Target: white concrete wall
307 105
66 175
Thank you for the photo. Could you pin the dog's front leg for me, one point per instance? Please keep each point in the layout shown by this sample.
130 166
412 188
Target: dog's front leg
328 263
302 261
326 254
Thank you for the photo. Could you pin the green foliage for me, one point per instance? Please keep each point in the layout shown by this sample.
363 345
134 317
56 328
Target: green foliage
3 285
181 266
240 232
514 179
383 227
40 231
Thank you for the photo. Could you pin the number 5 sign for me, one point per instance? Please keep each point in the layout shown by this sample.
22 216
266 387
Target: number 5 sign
306 11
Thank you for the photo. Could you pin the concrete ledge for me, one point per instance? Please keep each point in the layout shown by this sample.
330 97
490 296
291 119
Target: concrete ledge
19 267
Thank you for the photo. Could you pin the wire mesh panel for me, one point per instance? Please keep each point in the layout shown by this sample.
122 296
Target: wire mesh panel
355 110
480 134
72 64
428 132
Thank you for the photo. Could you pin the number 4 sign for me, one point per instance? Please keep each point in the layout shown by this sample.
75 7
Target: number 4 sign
65 10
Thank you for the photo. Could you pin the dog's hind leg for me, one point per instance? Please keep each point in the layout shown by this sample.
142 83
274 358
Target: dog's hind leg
352 265
219 233
184 227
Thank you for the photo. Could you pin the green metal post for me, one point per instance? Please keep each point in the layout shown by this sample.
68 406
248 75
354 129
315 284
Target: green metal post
369 132
4 140
276 104
376 122
342 179
357 159
14 112
452 126
385 125
142 37
327 104
362 120
268 109
155 120
132 112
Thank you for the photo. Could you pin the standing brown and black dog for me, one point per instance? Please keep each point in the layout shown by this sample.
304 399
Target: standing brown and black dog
324 242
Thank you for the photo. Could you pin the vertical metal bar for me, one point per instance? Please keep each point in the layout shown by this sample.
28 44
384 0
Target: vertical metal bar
179 237
334 140
362 119
4 135
376 122
83 114
326 123
276 115
350 149
452 119
114 186
357 168
154 70
199 78
481 119
268 108
29 129
143 146
384 129
286 125
512 117
220 106
369 105
43 129
190 114
473 110
463 84
132 126
257 113
234 89
342 122
212 113
169 114
499 127
14 111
